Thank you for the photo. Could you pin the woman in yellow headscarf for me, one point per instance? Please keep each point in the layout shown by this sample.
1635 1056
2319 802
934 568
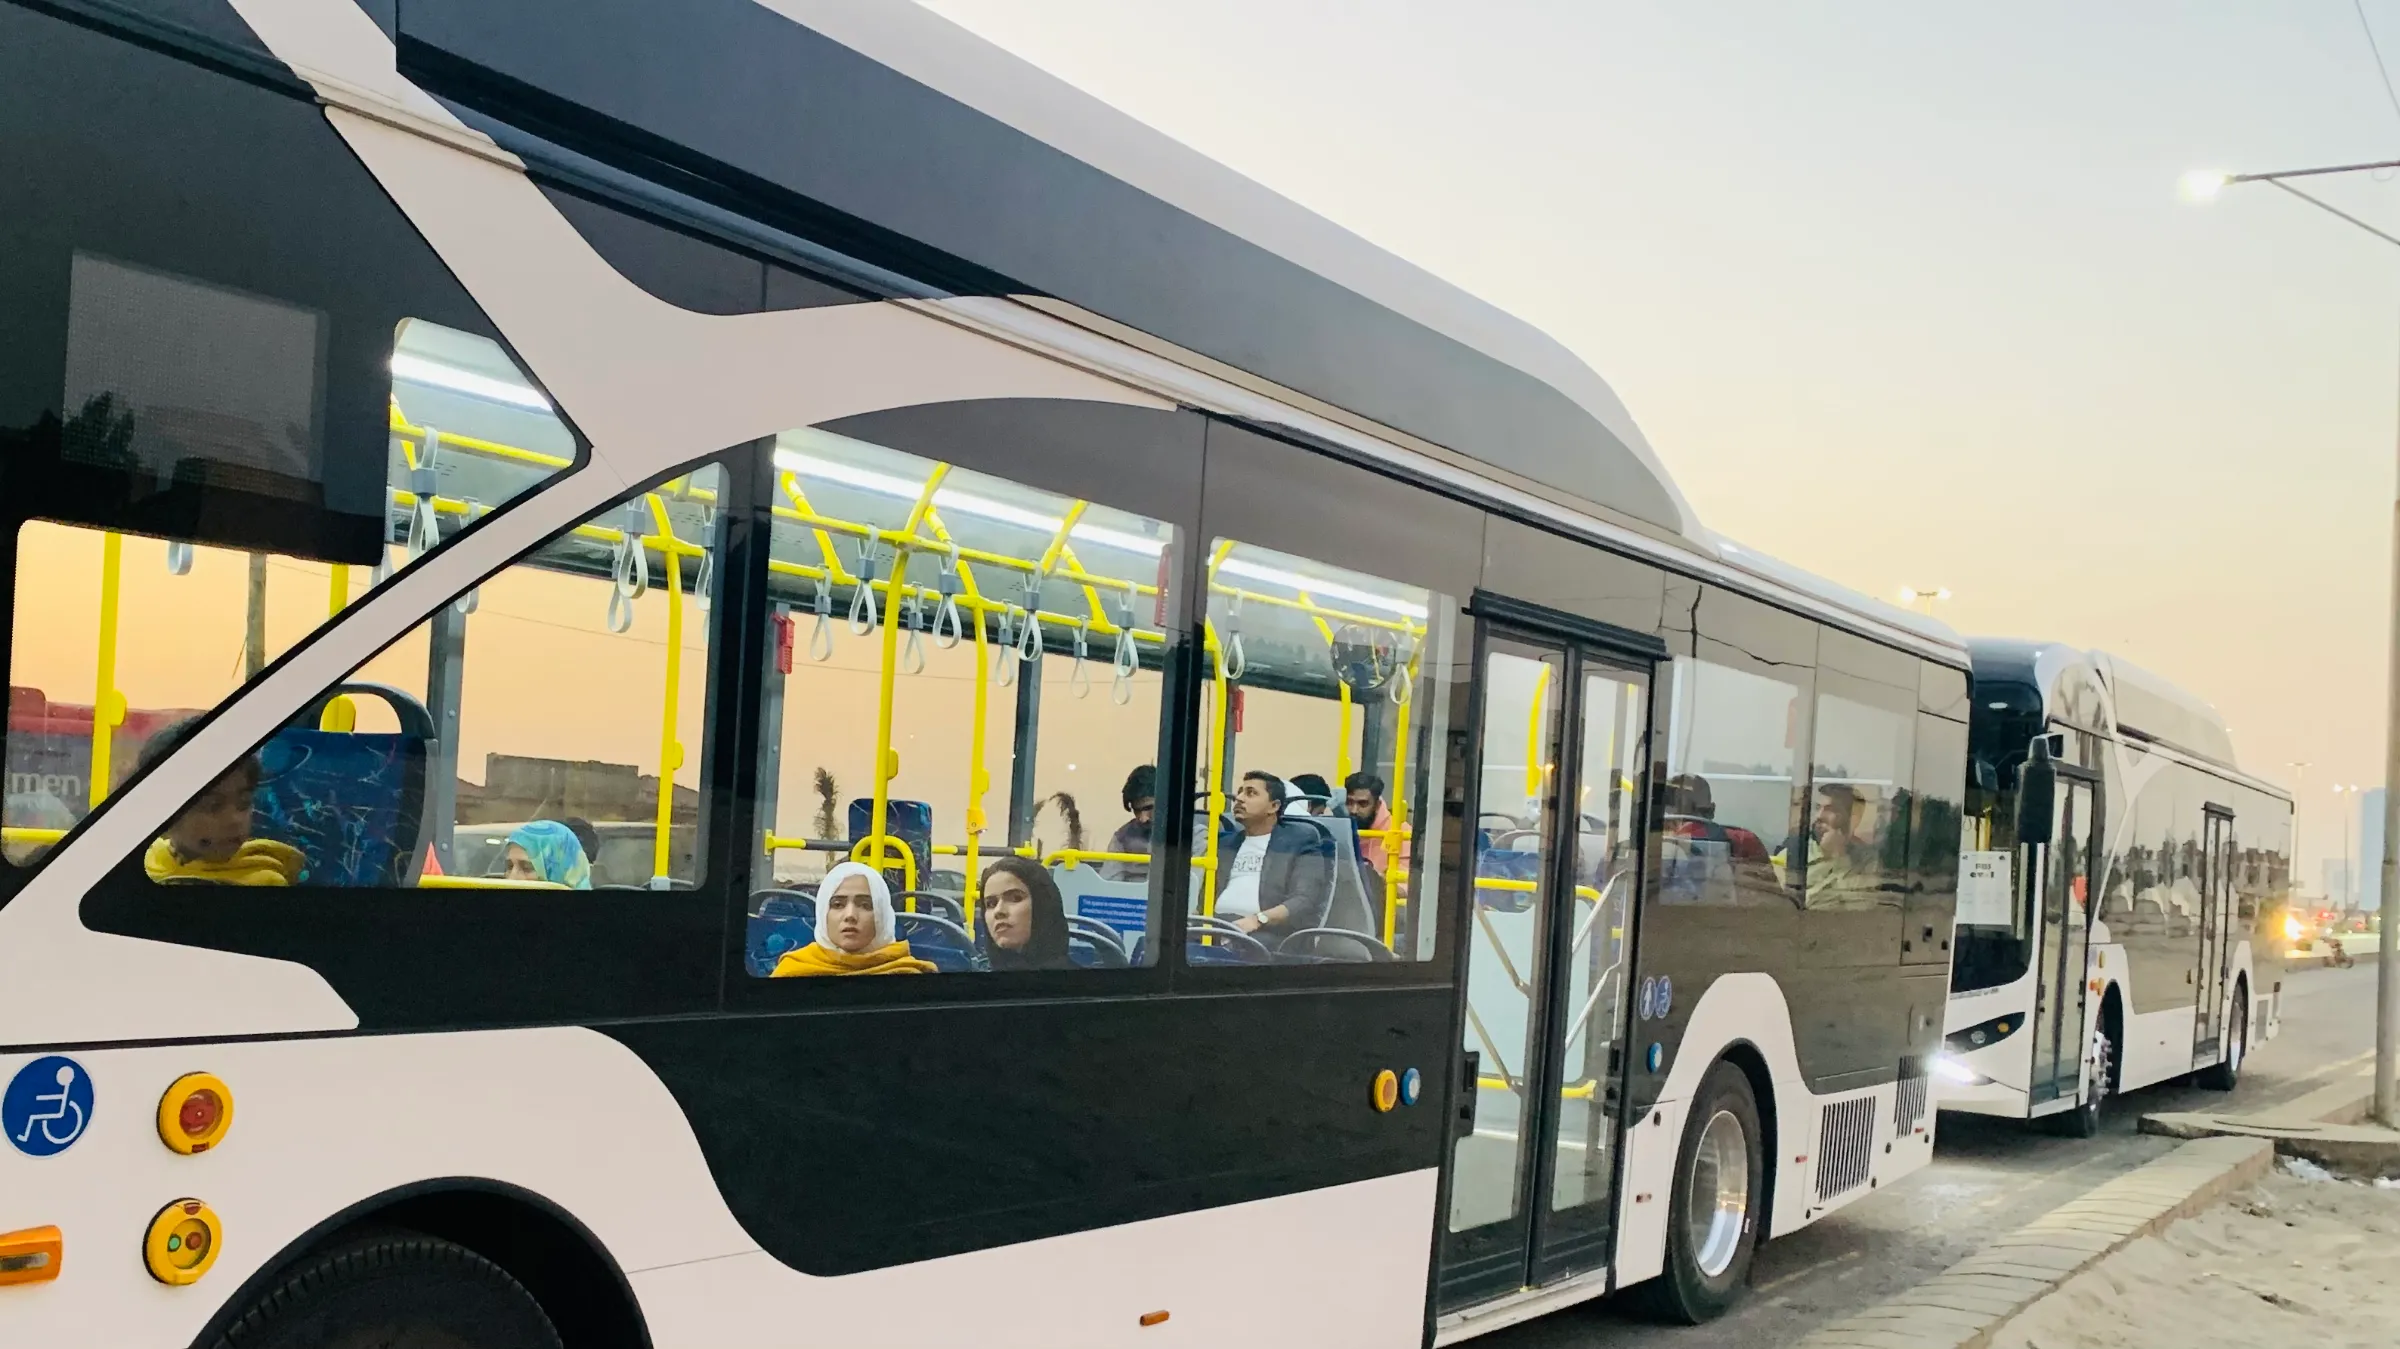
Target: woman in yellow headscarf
856 931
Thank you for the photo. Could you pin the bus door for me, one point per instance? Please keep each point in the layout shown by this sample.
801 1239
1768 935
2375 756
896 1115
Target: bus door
2063 900
1561 755
2216 918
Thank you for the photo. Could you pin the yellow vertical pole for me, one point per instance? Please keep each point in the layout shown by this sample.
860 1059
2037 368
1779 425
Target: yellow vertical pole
979 778
670 747
885 768
108 705
1397 837
1533 733
337 590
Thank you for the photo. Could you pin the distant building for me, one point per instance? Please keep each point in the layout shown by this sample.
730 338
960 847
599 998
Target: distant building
2370 849
2337 882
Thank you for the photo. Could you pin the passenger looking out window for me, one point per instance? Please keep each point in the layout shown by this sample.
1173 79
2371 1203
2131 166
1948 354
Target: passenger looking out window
1024 918
1843 871
548 852
1276 874
209 842
1141 805
856 930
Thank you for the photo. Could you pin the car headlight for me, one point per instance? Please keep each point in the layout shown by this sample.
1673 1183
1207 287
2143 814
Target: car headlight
2293 929
1951 1070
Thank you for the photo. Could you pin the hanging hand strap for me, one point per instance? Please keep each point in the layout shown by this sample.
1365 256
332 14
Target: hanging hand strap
912 656
1078 678
629 570
424 523
862 593
948 628
1128 658
820 637
1004 662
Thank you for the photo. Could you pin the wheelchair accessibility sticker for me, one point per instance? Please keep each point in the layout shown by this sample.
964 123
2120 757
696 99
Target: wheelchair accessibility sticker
47 1106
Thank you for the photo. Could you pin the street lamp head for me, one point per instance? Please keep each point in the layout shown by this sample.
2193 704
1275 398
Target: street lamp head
2204 184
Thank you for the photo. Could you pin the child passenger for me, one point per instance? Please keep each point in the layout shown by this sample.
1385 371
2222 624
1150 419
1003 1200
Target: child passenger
209 842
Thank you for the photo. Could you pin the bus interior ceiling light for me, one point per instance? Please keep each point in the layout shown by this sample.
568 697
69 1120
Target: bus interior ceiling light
418 370
961 503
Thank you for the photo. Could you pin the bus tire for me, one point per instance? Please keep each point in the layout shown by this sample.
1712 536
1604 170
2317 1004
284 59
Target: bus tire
399 1289
1712 1214
2084 1120
2226 1073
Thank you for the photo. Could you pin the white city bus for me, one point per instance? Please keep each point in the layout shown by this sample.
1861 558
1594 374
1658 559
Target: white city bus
503 499
2140 940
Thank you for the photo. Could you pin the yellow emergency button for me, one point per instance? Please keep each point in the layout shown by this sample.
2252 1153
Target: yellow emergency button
182 1243
1387 1090
195 1113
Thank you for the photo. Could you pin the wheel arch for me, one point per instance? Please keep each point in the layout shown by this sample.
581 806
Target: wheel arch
1746 1056
542 1246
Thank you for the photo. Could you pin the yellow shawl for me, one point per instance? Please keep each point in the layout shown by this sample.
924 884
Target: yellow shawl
816 959
261 861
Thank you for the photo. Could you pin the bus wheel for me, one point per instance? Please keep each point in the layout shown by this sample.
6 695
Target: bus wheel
2226 1073
398 1289
2084 1120
1712 1213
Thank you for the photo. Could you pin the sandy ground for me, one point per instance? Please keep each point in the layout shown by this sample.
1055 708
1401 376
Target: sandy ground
2295 1262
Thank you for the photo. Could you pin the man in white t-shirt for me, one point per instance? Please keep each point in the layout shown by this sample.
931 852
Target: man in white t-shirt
1274 875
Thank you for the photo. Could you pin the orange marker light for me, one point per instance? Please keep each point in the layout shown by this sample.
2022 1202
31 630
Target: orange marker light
1387 1090
32 1255
195 1113
1154 1318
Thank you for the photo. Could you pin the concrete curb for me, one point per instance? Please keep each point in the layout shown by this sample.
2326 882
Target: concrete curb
1964 1305
2326 1126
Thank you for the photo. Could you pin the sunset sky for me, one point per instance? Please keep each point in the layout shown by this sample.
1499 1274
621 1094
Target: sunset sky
1904 293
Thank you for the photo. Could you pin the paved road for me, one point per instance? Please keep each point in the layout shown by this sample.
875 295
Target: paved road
1988 1177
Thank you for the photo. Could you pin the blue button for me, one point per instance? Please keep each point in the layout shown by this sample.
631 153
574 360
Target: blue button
1412 1085
1656 1056
47 1107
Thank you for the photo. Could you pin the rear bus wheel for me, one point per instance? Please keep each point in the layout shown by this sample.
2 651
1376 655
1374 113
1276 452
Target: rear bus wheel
393 1290
2226 1073
1712 1212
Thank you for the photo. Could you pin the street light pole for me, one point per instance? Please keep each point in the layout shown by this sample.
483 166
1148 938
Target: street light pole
2202 186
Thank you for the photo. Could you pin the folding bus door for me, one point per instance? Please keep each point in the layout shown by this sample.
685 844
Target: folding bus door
2063 903
1562 755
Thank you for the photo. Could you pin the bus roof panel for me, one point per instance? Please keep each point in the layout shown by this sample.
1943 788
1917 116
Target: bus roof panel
912 142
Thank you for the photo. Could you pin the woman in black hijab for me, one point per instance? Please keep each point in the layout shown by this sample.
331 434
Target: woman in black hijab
1023 919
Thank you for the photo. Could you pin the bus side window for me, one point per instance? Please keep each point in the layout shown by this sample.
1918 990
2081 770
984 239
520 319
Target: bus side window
1324 702
1732 762
117 636
572 686
963 712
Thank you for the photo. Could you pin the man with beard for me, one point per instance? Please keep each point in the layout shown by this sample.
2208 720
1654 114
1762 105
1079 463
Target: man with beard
1141 802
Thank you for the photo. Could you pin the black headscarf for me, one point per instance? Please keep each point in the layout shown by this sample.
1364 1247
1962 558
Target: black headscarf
1047 950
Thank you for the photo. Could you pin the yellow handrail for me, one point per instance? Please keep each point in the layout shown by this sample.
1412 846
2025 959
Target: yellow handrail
1533 733
1581 1091
670 746
108 704
482 883
1076 856
15 834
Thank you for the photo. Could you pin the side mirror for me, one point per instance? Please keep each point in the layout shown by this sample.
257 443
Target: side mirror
2037 792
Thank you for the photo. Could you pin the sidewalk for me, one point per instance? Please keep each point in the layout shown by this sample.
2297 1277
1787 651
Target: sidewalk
2290 1262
